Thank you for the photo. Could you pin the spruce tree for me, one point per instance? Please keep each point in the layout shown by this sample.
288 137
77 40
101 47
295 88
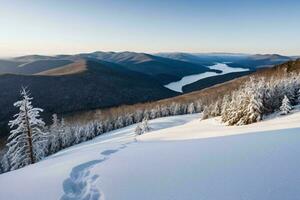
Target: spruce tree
145 125
27 140
298 97
138 130
191 108
54 135
286 106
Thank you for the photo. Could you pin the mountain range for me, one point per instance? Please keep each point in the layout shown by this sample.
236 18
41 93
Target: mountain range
70 83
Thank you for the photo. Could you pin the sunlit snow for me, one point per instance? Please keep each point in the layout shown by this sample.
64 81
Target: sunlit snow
181 158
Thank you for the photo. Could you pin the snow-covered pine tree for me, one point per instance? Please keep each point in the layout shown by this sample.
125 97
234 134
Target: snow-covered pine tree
54 135
176 109
153 113
191 108
27 141
138 116
138 130
286 106
119 122
165 111
5 166
128 119
254 109
145 126
298 97
158 111
65 134
205 113
225 108
216 109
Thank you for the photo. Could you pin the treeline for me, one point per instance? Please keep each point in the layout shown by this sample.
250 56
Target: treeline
256 98
31 140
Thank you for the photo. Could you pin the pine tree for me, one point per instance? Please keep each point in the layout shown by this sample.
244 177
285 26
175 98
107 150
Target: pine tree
286 106
216 109
191 108
65 134
205 113
298 97
27 141
54 135
5 166
145 125
138 130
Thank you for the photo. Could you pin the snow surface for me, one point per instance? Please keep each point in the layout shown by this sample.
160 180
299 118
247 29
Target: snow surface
177 86
182 158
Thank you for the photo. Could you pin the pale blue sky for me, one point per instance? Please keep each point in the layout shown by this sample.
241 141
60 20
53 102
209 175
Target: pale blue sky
72 26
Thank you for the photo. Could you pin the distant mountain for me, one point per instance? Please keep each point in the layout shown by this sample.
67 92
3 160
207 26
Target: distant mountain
16 66
271 57
164 70
234 60
9 66
295 57
261 61
204 58
95 85
31 58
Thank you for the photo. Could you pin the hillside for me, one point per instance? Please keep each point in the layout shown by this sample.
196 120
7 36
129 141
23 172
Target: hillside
163 69
100 85
19 66
191 159
73 68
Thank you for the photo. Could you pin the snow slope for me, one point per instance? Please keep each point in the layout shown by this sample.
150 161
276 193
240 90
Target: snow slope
182 158
177 86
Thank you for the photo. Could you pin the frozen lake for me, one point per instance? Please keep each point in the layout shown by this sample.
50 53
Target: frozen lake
177 86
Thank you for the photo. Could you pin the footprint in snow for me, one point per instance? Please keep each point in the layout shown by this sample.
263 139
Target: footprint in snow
81 185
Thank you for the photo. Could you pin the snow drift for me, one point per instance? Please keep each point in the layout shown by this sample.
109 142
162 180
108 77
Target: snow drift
182 158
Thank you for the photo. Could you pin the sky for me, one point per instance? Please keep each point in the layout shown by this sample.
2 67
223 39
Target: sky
73 26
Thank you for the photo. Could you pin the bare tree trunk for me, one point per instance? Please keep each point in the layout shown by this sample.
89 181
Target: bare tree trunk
29 134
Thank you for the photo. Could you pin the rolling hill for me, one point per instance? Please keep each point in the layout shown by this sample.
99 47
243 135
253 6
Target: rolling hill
164 70
30 67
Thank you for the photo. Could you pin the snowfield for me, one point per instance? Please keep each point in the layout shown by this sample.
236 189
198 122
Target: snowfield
177 86
181 158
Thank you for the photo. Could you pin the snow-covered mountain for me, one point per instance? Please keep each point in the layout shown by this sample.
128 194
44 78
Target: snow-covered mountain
181 158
